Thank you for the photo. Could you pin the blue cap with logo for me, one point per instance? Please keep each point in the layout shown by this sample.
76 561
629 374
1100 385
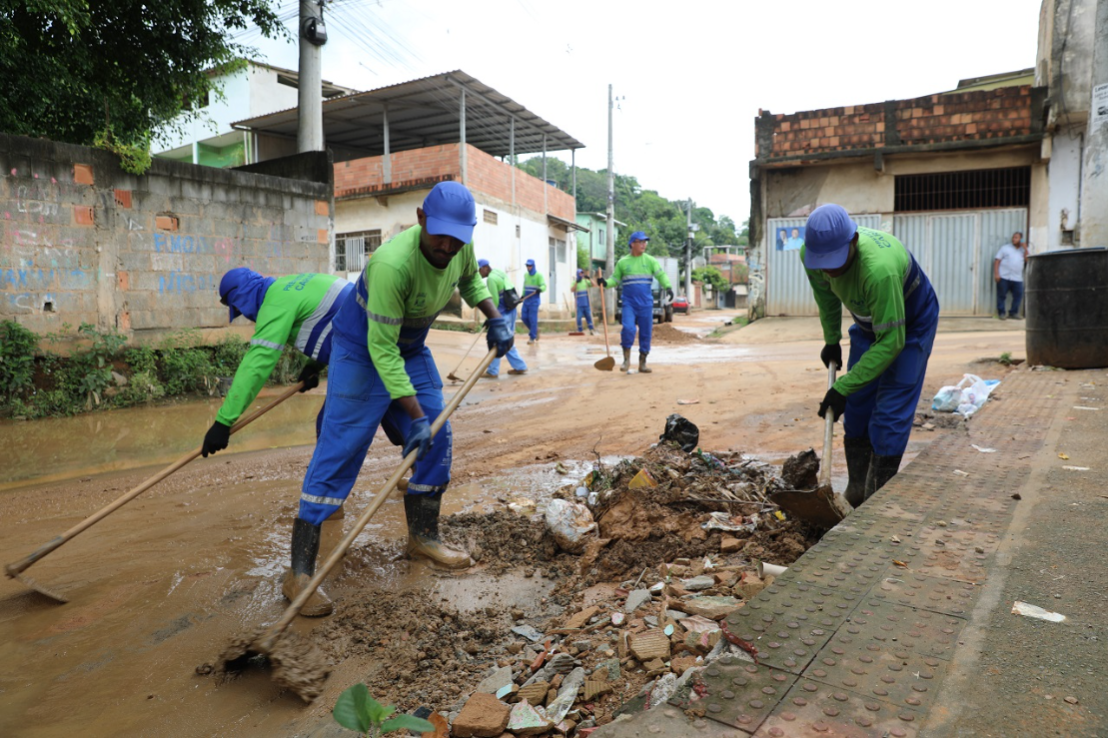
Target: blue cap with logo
637 236
482 263
827 237
450 211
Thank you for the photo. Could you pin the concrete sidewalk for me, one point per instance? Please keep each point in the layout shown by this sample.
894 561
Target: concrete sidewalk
899 622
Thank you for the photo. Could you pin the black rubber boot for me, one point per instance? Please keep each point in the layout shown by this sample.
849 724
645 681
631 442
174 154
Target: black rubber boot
859 453
305 548
422 512
642 362
881 470
626 361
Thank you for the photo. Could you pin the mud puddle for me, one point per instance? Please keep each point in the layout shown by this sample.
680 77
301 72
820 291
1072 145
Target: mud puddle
93 443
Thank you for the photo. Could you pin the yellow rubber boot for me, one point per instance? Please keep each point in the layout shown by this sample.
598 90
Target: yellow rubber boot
423 533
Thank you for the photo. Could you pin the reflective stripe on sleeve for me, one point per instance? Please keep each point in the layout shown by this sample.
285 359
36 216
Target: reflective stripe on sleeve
267 344
383 319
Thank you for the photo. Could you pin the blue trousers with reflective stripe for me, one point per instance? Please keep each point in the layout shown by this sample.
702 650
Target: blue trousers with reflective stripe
357 403
514 359
885 409
637 313
530 313
584 311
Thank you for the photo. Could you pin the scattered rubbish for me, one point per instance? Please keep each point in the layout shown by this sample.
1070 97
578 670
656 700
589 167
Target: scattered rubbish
1071 700
570 524
1074 468
687 402
582 491
528 632
668 630
1084 408
561 469
982 449
765 569
636 599
1063 455
894 539
696 584
898 563
1017 496
522 506
720 521
965 398
681 431
963 473
618 619
642 480
1026 609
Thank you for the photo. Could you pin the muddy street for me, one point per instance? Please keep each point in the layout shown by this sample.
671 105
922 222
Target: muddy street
160 587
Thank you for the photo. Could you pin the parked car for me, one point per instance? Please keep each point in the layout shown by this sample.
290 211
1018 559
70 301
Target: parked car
681 304
662 314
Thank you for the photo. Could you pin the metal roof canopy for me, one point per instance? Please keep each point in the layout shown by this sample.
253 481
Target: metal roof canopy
421 113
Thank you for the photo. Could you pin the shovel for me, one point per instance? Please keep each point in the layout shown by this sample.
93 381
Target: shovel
13 570
453 377
296 665
608 363
820 507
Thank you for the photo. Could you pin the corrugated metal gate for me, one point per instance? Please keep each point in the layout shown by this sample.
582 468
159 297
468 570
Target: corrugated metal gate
787 288
955 249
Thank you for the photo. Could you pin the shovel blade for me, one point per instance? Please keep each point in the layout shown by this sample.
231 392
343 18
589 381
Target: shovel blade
816 507
294 661
40 589
607 364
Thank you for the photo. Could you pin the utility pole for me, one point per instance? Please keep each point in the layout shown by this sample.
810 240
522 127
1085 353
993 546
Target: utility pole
313 34
1094 189
688 256
610 258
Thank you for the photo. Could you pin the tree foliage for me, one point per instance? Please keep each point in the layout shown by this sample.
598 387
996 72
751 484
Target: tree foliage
109 72
712 276
664 221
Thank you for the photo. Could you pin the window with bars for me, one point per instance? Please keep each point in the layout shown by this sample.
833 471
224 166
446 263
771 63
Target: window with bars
1008 187
352 249
491 217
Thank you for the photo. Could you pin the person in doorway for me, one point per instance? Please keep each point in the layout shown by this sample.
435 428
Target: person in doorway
533 286
895 314
636 273
382 373
497 283
584 310
296 311
1008 274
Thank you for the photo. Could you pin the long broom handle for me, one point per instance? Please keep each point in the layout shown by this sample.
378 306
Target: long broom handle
828 432
604 318
266 645
18 567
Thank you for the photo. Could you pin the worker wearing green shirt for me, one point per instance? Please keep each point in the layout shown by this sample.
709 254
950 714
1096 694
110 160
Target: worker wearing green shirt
382 373
296 311
895 314
533 286
584 310
497 282
636 273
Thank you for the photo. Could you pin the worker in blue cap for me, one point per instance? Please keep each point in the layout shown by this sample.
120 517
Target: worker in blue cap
637 272
584 310
382 371
896 314
503 293
533 286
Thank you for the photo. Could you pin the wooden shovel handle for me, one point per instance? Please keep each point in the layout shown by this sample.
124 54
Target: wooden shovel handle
828 432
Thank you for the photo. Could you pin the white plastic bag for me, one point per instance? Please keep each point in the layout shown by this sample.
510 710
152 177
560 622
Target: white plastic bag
966 397
946 400
570 524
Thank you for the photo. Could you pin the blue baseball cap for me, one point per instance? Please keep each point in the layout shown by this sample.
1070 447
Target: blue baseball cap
827 237
482 263
637 236
450 211
530 262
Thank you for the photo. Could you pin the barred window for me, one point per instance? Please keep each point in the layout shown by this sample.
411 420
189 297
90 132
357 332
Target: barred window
491 217
1008 187
352 249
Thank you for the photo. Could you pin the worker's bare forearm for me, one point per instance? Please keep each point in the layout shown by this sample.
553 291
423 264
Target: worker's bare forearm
411 406
488 308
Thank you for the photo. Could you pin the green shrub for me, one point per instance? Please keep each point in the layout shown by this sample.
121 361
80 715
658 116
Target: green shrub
17 359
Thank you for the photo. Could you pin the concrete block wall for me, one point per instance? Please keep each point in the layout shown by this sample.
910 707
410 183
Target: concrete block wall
81 241
966 116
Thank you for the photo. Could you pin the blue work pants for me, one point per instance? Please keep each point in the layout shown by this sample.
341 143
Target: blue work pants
514 359
530 313
357 403
885 409
584 311
1002 289
637 313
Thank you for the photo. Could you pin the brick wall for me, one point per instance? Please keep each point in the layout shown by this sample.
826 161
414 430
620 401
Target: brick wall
979 115
485 174
83 242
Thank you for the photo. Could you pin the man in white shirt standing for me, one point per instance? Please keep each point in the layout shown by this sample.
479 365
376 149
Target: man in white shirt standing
1008 273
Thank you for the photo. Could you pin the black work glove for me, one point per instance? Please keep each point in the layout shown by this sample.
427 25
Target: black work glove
834 400
669 296
831 353
500 336
216 439
310 376
602 282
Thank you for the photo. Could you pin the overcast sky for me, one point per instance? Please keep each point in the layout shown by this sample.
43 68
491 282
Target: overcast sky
691 75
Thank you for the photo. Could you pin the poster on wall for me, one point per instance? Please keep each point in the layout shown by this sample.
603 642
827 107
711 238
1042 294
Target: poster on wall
1100 105
790 239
